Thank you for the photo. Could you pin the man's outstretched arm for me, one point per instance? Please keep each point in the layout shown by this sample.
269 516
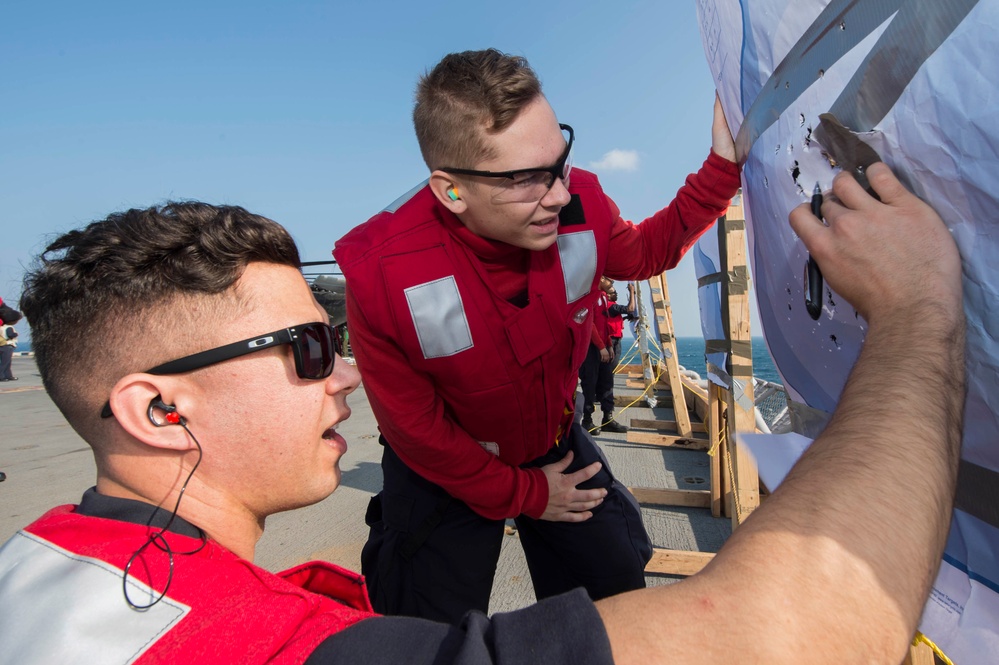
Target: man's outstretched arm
837 564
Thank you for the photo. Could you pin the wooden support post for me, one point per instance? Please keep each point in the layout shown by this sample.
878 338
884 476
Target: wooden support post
715 425
735 318
668 360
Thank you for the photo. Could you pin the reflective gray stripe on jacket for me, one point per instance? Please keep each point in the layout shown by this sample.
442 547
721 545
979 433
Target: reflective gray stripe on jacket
61 607
578 254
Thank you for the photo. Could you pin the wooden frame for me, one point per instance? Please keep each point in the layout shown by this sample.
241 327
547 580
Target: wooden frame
734 477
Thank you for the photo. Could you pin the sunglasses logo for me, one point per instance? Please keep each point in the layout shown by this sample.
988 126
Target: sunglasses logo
262 341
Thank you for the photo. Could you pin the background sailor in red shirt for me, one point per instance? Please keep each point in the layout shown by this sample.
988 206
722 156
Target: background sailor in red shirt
596 375
470 303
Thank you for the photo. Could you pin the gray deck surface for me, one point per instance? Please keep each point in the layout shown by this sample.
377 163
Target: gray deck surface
48 464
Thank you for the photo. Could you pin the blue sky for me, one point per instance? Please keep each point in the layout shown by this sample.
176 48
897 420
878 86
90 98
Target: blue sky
300 111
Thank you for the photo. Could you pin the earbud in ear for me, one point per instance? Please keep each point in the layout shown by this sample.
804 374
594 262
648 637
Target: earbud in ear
452 194
170 417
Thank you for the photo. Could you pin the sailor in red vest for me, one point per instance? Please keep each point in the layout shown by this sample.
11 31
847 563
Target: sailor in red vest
470 304
596 374
616 315
213 404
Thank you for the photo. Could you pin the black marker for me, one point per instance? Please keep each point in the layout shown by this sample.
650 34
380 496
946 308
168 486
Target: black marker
813 276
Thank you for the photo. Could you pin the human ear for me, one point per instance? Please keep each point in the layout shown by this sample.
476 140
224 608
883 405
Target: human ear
131 400
447 191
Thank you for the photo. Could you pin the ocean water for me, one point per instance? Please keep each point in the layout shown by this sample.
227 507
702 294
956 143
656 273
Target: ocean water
691 355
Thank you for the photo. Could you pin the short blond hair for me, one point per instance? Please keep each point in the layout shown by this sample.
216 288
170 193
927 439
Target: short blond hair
465 97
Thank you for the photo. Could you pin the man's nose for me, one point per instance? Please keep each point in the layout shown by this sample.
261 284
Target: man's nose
558 195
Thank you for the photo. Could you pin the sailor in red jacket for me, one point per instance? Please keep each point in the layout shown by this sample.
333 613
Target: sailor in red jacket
596 374
212 424
470 303
214 405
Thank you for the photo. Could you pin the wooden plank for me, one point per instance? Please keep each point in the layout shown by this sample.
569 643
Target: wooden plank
714 423
667 344
626 400
640 384
726 484
672 497
921 654
665 424
678 562
735 319
696 397
667 441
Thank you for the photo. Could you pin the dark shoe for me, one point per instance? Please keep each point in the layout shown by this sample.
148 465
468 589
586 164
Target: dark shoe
588 426
612 426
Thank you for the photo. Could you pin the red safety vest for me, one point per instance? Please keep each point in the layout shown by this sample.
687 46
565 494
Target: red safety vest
615 323
506 374
61 585
601 321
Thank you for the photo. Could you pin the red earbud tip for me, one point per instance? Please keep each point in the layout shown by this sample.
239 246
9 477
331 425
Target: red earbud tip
173 418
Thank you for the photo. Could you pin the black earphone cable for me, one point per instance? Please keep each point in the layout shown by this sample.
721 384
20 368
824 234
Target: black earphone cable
160 540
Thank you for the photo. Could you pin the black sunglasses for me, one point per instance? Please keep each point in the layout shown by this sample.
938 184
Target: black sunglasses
558 170
311 343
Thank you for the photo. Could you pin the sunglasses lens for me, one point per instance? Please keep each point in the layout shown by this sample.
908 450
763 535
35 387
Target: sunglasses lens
316 343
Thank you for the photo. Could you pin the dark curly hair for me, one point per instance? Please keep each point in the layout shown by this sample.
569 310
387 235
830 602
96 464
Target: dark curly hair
96 294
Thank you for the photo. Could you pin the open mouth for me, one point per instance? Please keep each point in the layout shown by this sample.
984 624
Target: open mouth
547 225
330 433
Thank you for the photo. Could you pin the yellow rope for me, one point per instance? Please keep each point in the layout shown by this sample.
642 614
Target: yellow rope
620 364
631 404
928 642
731 474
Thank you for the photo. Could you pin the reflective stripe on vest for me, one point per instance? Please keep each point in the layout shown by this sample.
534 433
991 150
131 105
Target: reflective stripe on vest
398 203
43 587
439 317
578 254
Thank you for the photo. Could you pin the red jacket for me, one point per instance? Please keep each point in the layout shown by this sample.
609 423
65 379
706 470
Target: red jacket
63 574
601 335
466 386
616 324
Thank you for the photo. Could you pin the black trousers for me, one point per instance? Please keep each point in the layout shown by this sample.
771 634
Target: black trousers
429 555
6 356
597 380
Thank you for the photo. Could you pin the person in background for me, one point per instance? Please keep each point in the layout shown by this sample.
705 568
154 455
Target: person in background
8 340
199 438
470 303
616 316
596 374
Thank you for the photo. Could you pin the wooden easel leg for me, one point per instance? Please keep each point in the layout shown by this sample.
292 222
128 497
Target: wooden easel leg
714 427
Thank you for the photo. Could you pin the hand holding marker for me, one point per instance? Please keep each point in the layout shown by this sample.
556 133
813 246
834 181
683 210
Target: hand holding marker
813 275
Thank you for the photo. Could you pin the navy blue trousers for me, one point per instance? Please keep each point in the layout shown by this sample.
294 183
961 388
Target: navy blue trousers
429 555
